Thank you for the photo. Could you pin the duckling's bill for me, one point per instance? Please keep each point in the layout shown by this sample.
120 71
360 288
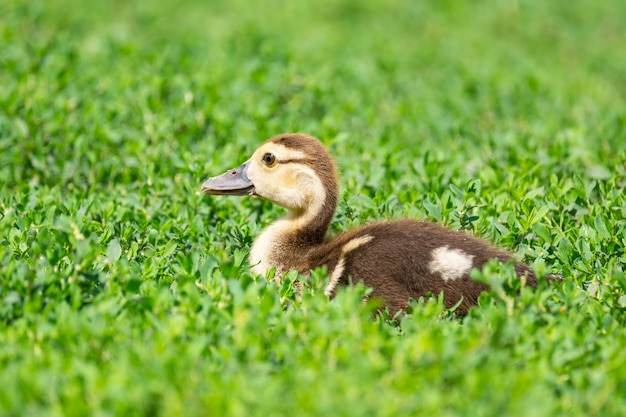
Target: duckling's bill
232 182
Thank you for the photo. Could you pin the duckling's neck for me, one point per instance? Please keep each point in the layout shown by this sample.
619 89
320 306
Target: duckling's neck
286 243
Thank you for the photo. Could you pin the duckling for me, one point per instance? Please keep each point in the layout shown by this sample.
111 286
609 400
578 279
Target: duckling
399 259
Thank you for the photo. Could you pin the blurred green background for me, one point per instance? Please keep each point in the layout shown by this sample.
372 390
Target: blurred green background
123 291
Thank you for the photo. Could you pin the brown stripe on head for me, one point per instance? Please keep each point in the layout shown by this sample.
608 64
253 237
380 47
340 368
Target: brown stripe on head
311 148
312 153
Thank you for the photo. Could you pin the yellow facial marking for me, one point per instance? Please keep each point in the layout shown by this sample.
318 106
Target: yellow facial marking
293 185
280 152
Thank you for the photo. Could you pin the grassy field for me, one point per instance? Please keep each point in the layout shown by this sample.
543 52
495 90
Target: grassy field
125 292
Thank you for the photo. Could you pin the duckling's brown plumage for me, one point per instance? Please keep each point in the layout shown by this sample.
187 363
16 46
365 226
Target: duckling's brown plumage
400 259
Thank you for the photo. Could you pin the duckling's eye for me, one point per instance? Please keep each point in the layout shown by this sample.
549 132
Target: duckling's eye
269 159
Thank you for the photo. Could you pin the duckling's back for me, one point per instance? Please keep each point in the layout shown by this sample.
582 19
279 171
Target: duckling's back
408 259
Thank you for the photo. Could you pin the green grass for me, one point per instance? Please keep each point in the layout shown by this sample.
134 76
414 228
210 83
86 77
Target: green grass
124 291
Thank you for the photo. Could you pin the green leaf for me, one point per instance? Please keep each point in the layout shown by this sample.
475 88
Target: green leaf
433 209
538 214
114 250
170 248
601 228
599 172
543 232
456 191
565 250
539 191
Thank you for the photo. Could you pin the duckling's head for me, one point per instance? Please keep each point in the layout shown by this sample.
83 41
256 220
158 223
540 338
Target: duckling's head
294 171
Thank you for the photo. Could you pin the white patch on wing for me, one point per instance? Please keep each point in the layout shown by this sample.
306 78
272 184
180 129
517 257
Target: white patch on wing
355 243
341 265
335 277
450 263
